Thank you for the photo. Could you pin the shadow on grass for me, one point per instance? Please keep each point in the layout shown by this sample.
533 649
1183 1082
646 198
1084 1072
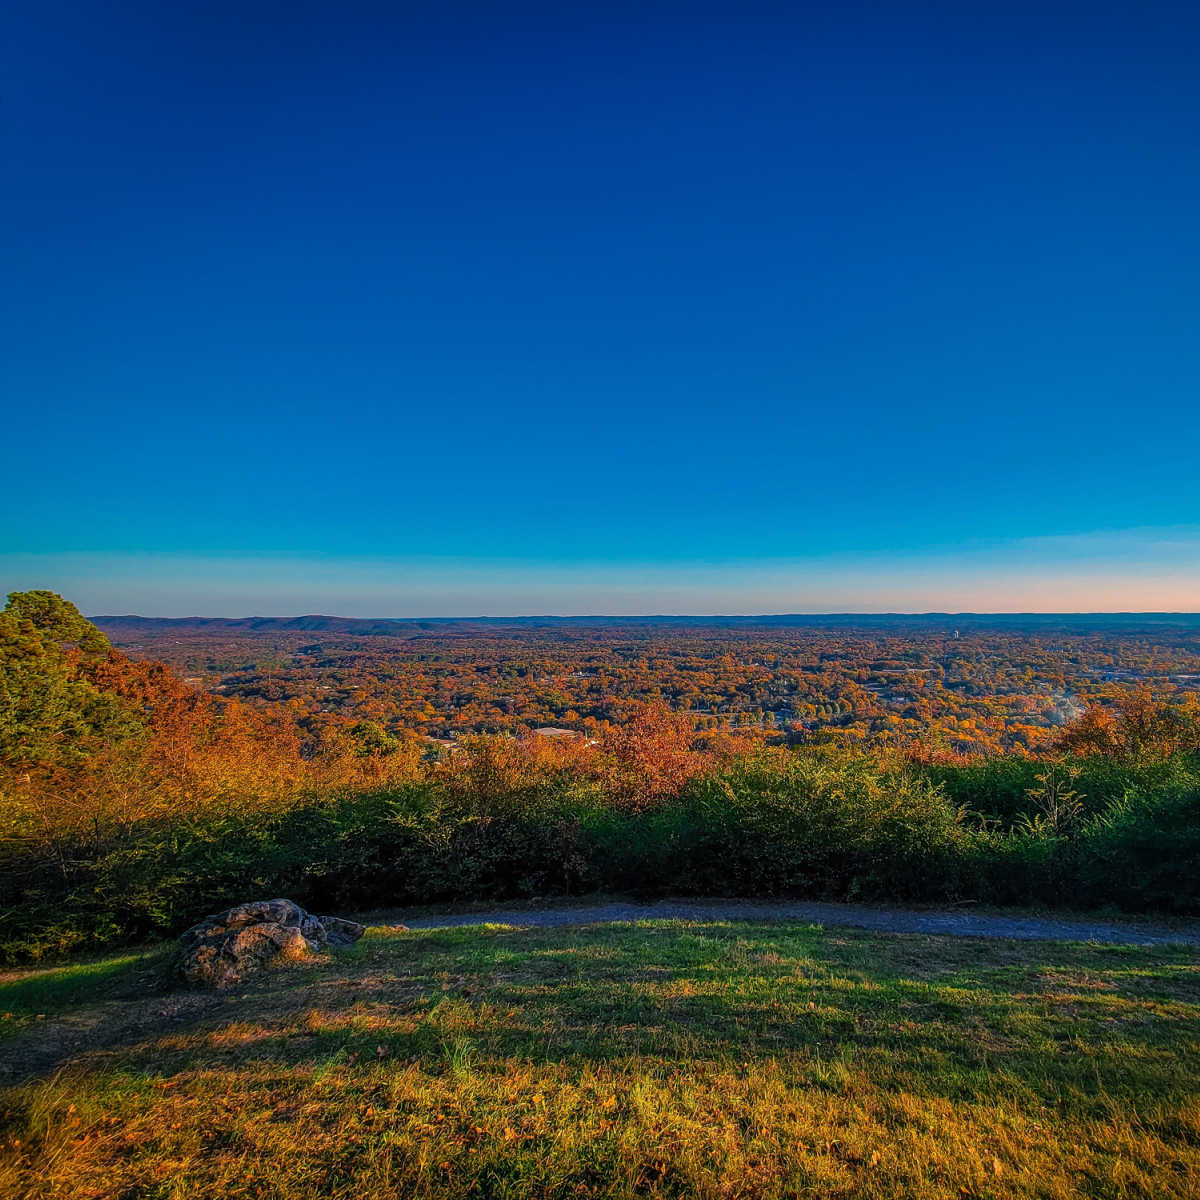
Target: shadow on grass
54 990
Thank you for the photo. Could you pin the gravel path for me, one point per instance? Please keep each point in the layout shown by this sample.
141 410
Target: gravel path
859 916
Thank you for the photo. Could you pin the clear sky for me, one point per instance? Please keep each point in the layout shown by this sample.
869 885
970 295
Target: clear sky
490 308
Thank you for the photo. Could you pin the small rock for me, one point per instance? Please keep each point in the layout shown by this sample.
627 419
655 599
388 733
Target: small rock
223 949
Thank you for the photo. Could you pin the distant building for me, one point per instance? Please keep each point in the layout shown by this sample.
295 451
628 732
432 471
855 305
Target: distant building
556 733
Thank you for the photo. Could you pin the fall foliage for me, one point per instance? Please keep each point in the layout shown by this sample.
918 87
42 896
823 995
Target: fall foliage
133 799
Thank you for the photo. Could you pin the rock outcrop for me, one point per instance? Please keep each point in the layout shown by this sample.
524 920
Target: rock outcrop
223 949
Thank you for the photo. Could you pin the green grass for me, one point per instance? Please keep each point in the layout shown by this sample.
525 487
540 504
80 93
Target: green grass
661 1059
33 995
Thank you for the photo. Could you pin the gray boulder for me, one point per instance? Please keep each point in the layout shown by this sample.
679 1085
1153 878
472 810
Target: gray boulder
222 950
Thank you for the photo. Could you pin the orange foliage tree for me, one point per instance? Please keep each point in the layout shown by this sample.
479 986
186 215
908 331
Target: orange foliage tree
650 758
1138 727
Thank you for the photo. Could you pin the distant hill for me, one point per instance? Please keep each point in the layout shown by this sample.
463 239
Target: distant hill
129 626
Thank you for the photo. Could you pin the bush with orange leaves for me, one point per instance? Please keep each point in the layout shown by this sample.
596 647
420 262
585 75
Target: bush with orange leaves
650 759
1136 727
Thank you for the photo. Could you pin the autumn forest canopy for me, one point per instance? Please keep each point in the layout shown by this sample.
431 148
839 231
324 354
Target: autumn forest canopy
152 771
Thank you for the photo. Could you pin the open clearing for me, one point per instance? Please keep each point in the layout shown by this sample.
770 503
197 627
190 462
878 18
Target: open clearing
660 1058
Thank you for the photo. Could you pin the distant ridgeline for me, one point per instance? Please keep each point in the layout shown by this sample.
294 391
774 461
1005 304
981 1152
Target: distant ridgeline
890 622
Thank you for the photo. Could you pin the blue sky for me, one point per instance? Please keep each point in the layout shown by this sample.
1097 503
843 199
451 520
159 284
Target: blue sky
502 308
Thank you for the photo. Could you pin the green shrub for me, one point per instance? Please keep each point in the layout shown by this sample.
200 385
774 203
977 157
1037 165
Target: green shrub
1144 852
998 789
808 824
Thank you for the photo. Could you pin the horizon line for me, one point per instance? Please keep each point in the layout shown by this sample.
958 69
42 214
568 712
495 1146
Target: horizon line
725 616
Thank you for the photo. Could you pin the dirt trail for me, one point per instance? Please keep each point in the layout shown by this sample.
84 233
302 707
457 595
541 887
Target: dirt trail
957 922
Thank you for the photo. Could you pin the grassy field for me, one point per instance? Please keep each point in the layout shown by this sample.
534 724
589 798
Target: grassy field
656 1059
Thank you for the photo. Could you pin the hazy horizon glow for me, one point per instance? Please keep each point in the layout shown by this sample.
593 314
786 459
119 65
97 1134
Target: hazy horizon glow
1133 571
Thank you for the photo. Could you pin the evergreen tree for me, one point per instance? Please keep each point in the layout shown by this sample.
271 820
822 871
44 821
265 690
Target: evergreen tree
49 712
